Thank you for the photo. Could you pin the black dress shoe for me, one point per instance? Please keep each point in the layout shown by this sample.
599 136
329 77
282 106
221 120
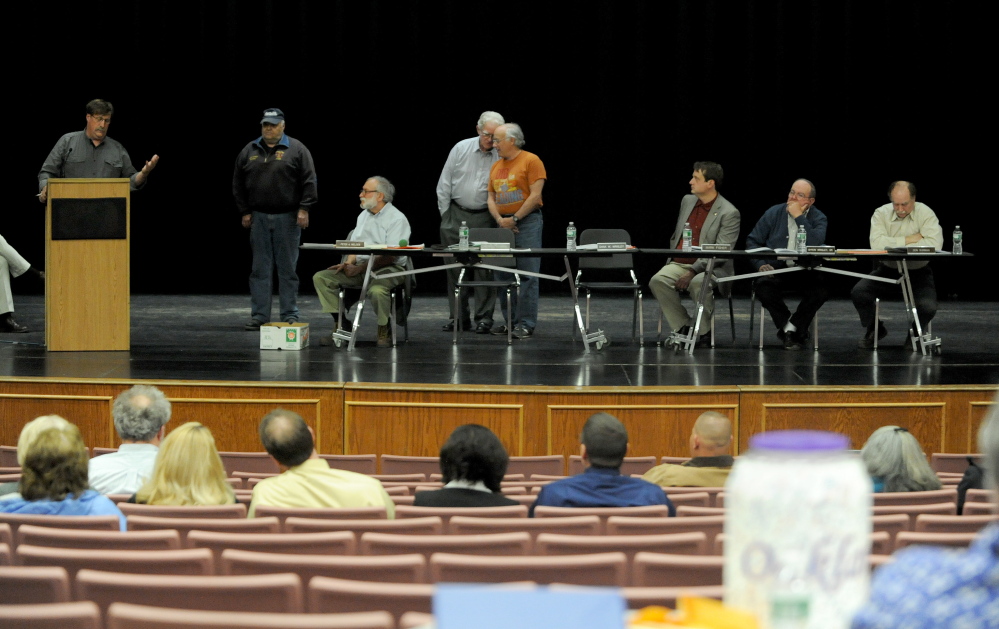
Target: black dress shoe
868 341
8 325
253 325
483 327
449 326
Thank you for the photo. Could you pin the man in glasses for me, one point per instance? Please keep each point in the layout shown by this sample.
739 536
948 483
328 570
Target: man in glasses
778 229
461 196
274 184
91 154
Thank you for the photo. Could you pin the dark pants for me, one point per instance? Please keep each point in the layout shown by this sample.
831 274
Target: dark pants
810 284
485 297
924 291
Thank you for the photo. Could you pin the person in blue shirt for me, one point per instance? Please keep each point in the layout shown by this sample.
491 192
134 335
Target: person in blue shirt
604 444
926 587
54 478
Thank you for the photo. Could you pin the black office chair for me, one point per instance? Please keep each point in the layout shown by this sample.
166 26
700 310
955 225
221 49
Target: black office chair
813 328
614 262
489 234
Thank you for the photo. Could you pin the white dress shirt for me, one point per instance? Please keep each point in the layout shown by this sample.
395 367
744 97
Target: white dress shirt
124 471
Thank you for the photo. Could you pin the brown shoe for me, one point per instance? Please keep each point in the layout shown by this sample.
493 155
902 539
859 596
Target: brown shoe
7 324
384 336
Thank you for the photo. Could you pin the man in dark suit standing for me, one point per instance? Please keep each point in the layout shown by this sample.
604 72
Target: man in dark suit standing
713 219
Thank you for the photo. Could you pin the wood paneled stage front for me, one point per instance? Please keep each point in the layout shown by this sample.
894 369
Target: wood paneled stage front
358 418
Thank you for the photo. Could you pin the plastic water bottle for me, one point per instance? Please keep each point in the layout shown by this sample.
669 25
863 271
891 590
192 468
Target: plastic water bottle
688 237
463 237
802 240
797 530
570 237
958 241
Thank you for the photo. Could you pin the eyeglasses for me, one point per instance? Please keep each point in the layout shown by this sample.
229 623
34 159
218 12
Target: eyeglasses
367 192
798 195
487 135
100 119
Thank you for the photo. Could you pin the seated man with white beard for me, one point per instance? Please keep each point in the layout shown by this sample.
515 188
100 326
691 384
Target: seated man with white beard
380 222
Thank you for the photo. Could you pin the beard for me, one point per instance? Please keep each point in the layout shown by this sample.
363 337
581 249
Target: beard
368 203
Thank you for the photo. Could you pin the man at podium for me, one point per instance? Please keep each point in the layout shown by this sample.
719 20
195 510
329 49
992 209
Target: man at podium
91 154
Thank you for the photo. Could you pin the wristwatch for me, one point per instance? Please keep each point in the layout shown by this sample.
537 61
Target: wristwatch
516 219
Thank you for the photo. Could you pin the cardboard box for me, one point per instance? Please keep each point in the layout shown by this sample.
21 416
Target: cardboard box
278 335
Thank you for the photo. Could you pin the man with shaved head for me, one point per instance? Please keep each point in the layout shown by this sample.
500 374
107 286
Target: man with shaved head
778 229
306 480
900 223
710 451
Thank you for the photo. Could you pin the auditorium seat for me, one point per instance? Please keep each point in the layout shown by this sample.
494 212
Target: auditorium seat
333 513
252 593
670 570
944 508
931 497
361 463
248 462
234 511
106 540
607 569
71 615
432 525
686 511
129 616
710 525
882 543
574 525
649 511
445 513
892 523
30 585
411 568
954 463
980 508
416 620
98 451
631 465
329 595
332 543
544 464
713 493
94 522
8 456
692 499
911 538
398 464
413 477
981 495
246 476
185 525
6 535
679 543
478 544
402 500
932 523
187 561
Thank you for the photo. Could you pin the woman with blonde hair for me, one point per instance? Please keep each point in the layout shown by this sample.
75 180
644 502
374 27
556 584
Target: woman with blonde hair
896 462
188 471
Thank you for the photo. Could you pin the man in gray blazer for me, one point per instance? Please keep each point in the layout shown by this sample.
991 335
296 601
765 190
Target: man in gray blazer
713 220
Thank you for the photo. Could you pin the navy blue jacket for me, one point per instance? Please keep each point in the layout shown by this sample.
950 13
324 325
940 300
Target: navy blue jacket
601 487
771 231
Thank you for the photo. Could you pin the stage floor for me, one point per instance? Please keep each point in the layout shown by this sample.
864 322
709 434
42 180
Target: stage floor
201 337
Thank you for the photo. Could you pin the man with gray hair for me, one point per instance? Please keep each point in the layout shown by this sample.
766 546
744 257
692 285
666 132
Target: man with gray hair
379 222
140 417
515 184
926 587
710 456
462 192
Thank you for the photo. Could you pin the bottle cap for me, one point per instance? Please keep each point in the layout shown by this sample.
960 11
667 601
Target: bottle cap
799 441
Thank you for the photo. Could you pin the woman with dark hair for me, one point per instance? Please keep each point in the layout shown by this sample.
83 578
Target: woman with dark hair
54 477
473 462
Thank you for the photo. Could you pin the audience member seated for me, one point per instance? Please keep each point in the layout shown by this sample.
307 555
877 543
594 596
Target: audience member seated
710 462
896 462
927 588
188 471
604 446
54 477
307 481
140 417
473 462
29 432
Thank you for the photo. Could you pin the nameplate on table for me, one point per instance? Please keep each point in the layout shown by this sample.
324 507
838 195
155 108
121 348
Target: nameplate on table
820 249
612 246
350 244
716 247
920 249
494 246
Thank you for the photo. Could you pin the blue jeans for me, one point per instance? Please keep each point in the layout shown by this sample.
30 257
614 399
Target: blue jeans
524 304
274 241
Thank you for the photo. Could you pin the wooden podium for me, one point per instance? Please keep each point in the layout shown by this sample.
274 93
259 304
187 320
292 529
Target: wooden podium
87 265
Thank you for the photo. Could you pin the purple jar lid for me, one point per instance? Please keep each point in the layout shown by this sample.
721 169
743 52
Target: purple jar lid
799 440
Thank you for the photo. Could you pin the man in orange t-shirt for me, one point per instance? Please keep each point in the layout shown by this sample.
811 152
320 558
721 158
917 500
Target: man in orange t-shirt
515 184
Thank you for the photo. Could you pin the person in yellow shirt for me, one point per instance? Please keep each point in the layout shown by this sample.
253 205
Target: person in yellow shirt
710 451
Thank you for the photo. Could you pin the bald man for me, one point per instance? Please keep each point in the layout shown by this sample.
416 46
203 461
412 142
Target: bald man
711 461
